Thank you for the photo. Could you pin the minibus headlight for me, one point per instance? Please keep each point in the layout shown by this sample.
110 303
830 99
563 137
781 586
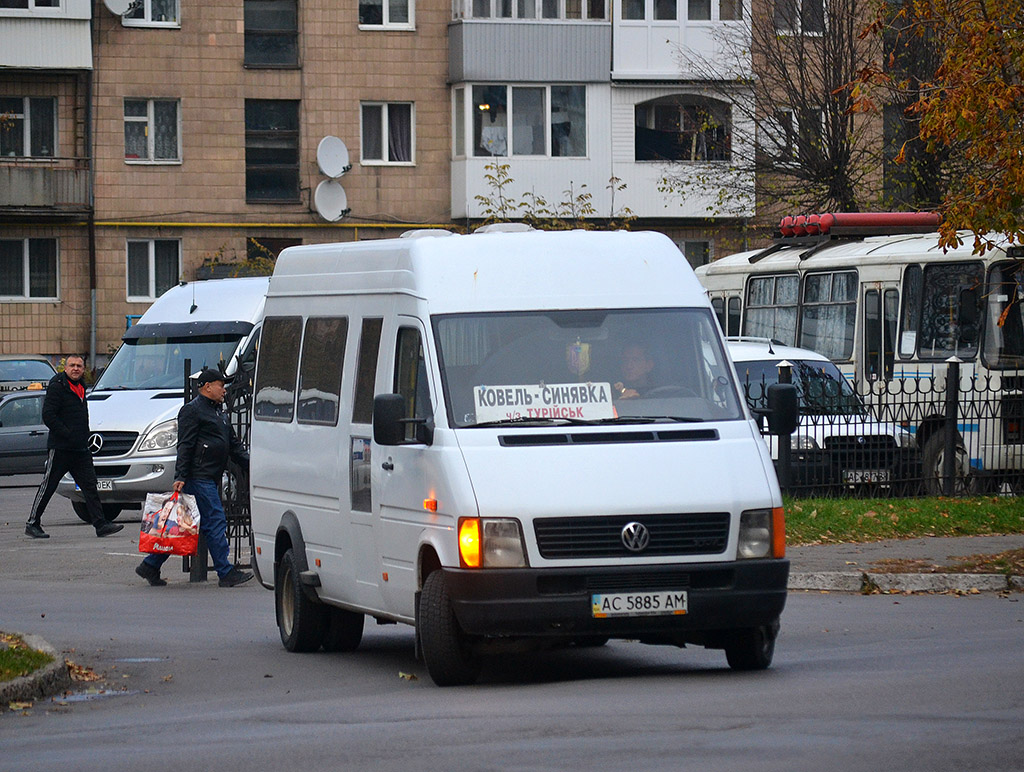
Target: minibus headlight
161 437
906 439
490 543
762 534
802 442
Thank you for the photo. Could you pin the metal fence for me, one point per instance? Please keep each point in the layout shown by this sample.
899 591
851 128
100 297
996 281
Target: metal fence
909 437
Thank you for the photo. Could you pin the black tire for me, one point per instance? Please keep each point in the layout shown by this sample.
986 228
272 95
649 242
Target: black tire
302 622
344 630
752 648
932 459
110 511
447 652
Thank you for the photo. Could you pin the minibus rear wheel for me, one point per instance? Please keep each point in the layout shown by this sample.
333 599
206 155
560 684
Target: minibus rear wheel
301 621
447 651
344 630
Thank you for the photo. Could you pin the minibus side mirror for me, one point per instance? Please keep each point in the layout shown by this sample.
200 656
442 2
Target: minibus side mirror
389 422
783 409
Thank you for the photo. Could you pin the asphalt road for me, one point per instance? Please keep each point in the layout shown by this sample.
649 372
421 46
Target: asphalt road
195 678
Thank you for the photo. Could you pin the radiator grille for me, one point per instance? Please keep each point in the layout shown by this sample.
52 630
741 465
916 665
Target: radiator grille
601 537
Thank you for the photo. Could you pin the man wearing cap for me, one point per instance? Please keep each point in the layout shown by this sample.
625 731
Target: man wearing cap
205 442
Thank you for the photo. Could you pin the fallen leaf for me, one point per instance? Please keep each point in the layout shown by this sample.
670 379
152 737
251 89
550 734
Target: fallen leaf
407 676
20 705
167 677
81 673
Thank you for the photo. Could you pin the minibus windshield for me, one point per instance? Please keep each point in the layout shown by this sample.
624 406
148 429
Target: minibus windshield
584 366
1004 334
821 388
158 363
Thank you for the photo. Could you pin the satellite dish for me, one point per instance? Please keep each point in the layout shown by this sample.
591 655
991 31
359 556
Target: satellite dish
330 200
331 155
118 7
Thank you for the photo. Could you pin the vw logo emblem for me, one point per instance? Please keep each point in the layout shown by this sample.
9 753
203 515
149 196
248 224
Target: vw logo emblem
635 536
861 440
95 443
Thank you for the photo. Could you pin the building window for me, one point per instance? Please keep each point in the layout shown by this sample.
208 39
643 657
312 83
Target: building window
28 126
271 33
28 269
545 121
697 252
682 128
386 13
154 266
151 130
791 136
532 9
271 150
800 16
387 133
152 13
633 10
260 248
698 10
29 4
730 10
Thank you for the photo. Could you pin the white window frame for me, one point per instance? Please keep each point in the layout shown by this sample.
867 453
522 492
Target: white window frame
32 5
24 297
787 139
798 29
363 160
386 22
470 115
147 16
150 120
151 250
463 9
26 126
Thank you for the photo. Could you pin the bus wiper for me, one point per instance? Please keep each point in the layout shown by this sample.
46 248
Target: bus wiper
647 419
533 420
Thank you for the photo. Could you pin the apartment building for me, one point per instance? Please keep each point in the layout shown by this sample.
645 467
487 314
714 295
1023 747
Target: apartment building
191 130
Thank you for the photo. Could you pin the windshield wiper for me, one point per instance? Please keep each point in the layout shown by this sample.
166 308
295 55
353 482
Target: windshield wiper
532 421
648 419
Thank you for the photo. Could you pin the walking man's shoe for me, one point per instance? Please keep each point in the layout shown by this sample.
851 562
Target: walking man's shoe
150 574
234 577
108 528
36 532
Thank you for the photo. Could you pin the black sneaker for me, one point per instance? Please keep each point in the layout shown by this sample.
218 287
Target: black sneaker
150 574
108 528
234 577
36 532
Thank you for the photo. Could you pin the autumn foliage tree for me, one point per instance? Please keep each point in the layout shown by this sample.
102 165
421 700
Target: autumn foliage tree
970 111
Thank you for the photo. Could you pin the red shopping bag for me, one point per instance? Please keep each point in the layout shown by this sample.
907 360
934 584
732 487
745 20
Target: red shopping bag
170 524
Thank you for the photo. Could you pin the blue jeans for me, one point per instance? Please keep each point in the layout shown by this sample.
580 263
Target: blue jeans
212 524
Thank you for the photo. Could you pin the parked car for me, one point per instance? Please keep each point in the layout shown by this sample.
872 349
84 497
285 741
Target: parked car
22 433
24 371
838 441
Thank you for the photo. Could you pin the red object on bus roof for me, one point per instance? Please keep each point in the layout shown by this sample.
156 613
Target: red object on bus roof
822 224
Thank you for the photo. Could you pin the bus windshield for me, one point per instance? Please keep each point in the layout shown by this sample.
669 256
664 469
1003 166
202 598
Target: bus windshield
585 366
158 363
821 388
1004 336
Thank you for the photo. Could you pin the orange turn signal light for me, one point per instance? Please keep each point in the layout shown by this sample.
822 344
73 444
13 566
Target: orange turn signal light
469 542
778 532
430 505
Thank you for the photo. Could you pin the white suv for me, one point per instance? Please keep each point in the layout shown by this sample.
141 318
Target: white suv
838 442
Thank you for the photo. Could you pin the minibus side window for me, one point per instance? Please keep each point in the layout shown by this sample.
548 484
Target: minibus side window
323 354
733 316
879 333
366 371
771 308
411 377
951 311
274 398
718 304
911 316
828 313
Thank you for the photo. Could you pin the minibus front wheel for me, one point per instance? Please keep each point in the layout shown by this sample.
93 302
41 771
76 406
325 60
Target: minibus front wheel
301 621
447 651
752 648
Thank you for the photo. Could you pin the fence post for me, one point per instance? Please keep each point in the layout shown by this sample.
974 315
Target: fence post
785 440
950 426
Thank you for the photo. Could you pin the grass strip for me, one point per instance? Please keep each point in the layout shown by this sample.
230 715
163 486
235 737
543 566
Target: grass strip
17 658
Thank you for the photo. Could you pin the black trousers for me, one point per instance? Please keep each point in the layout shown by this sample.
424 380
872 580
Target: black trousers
58 463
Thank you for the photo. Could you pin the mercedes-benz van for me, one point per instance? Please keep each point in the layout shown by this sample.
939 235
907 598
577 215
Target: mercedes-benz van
509 440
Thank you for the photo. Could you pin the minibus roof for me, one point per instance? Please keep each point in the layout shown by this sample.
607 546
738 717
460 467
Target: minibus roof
499 271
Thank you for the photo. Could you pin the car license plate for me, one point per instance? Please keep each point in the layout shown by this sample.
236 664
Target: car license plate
104 485
638 604
865 475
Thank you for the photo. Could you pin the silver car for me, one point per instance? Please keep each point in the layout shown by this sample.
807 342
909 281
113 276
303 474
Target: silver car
23 434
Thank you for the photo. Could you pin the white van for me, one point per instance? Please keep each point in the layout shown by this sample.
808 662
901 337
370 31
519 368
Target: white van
453 433
133 407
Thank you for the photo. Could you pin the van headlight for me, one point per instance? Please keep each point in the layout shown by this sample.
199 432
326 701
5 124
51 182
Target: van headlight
487 542
802 442
160 437
762 534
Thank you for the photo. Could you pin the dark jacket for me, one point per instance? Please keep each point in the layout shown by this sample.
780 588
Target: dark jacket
65 415
205 441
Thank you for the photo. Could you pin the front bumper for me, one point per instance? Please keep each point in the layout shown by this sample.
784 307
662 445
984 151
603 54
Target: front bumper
828 468
556 602
129 479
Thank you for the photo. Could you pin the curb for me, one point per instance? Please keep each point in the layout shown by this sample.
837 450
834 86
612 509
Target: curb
45 682
861 582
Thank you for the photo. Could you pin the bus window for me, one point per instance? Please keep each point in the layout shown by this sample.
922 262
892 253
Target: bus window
879 333
1004 332
828 313
718 304
947 328
771 308
911 311
734 316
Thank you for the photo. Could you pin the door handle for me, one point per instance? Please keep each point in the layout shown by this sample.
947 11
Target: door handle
387 466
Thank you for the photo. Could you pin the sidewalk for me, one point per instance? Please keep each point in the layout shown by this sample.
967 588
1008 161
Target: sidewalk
859 567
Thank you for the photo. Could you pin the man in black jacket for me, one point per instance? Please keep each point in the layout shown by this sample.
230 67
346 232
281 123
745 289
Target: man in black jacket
205 442
66 415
